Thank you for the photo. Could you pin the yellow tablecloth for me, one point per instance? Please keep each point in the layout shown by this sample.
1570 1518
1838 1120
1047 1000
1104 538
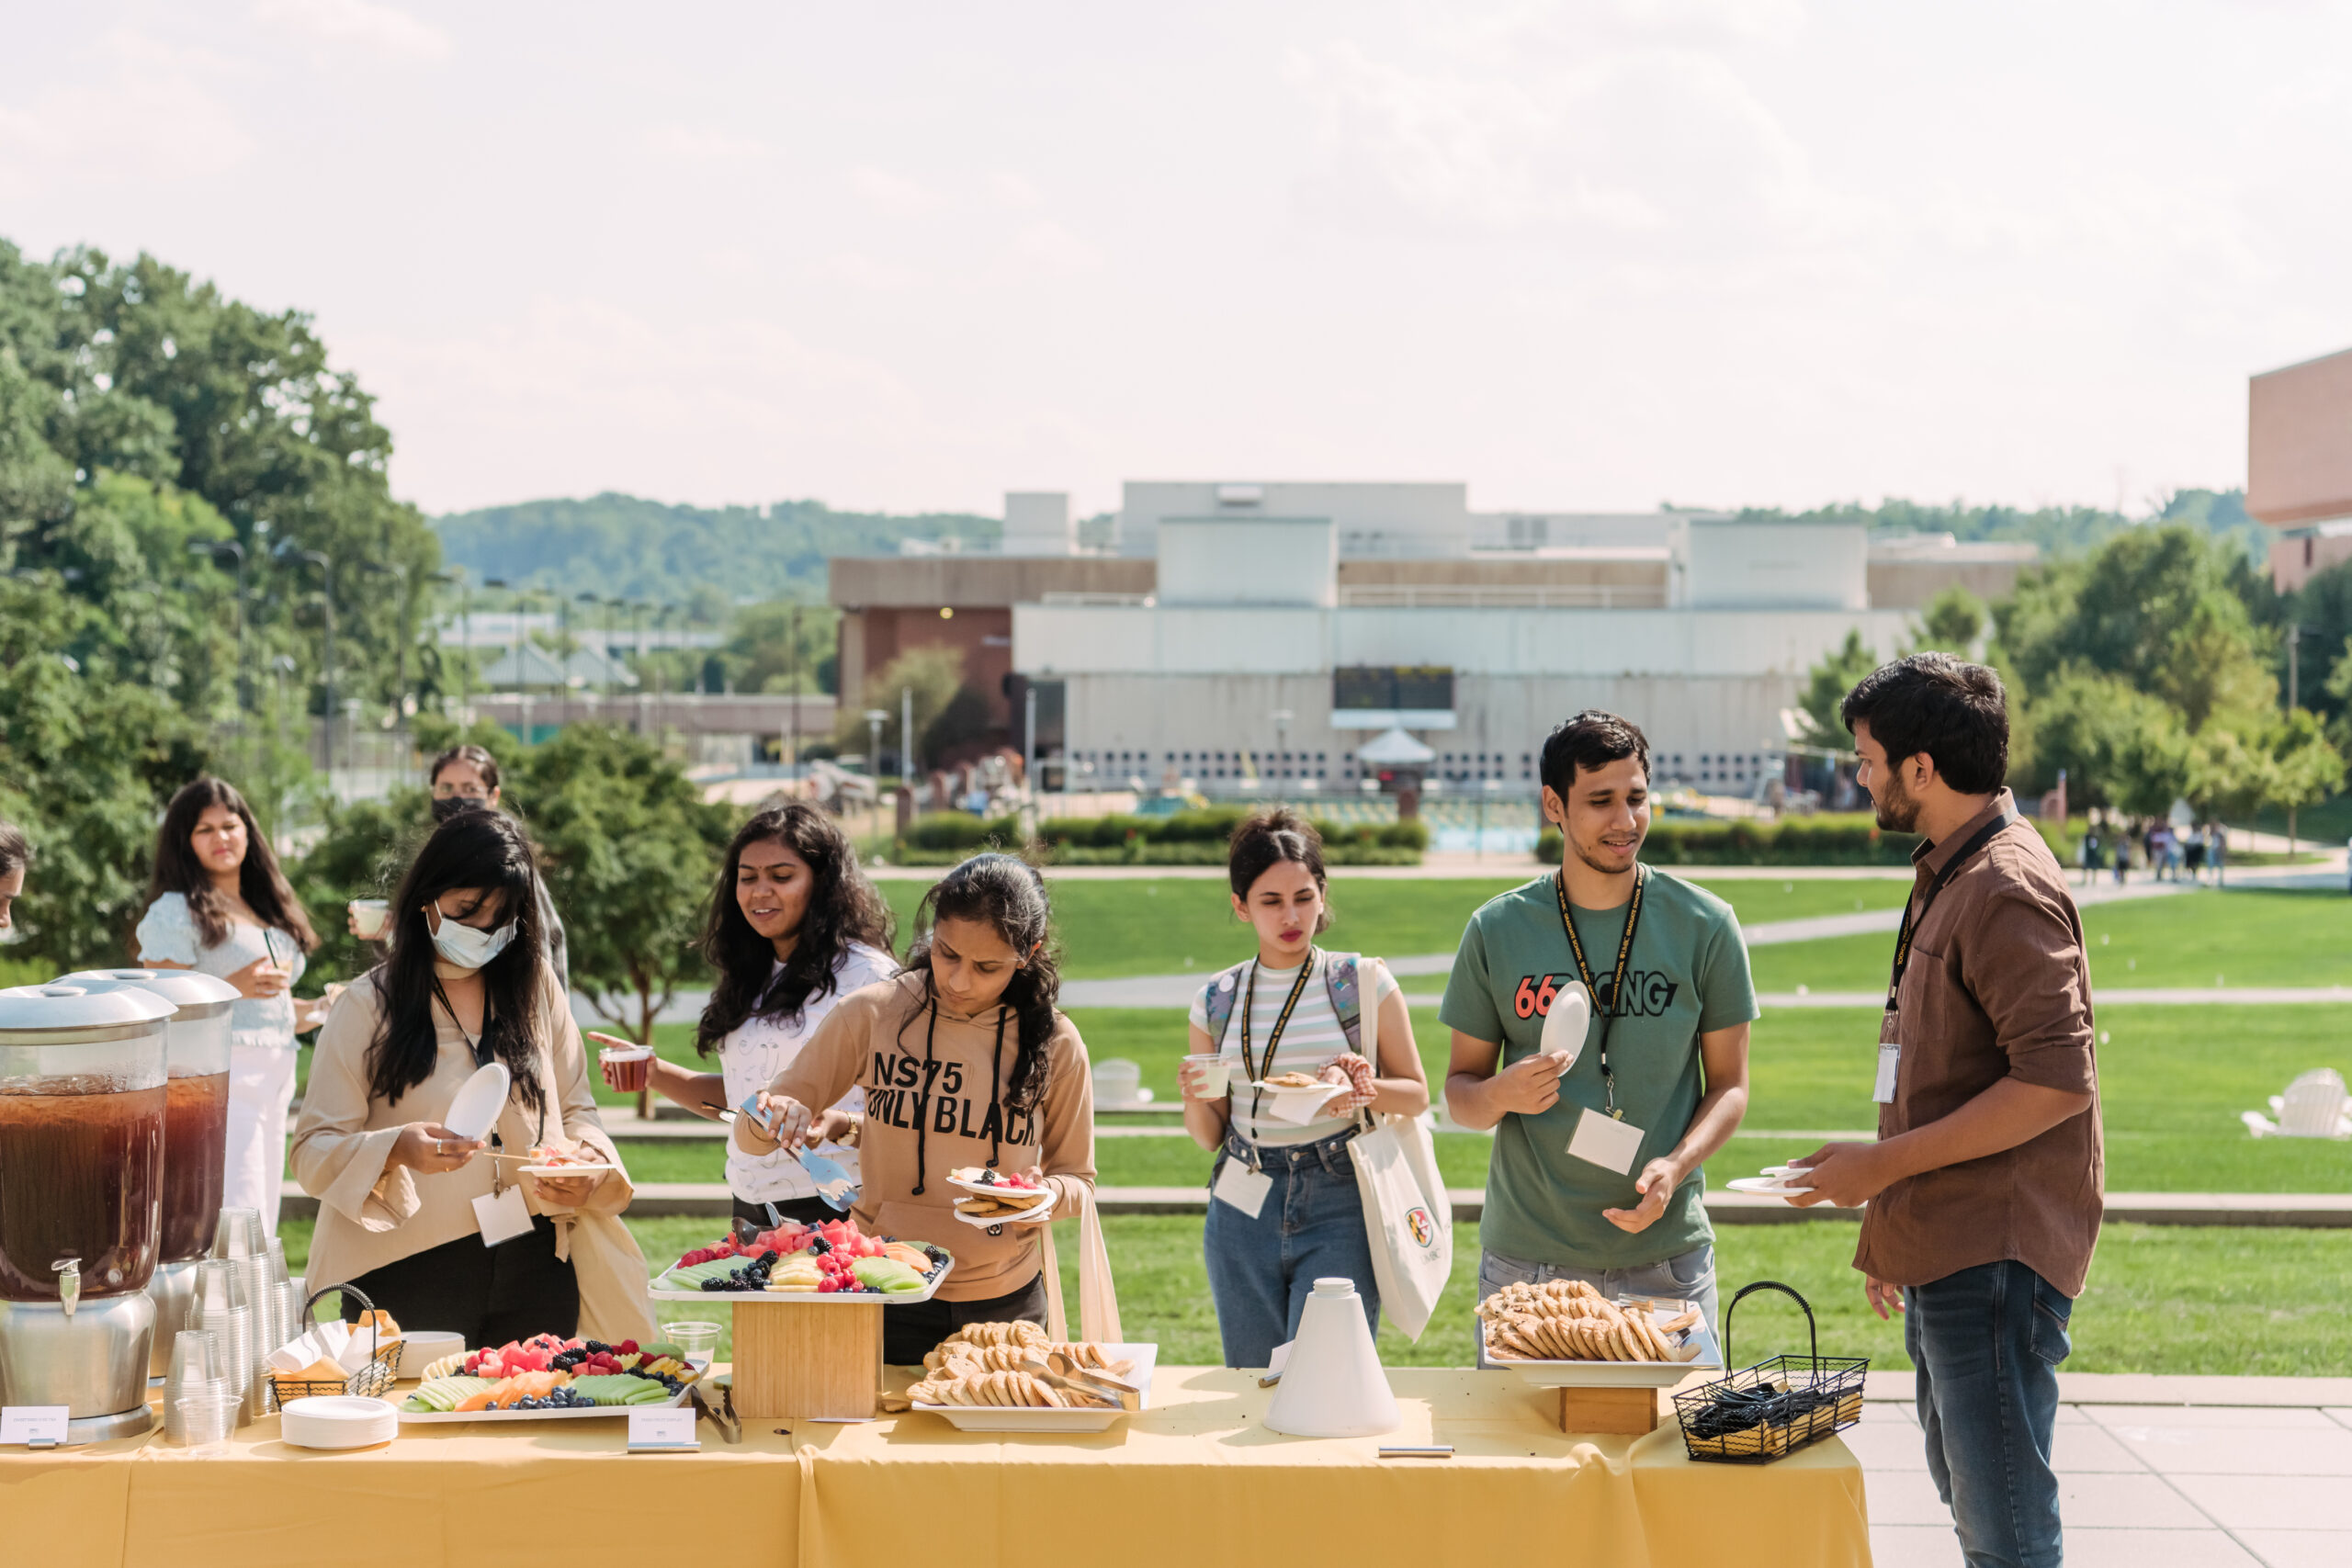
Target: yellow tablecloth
1193 1479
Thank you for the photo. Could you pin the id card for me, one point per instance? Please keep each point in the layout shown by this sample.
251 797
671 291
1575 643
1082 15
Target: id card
502 1216
1242 1188
1890 1059
1604 1141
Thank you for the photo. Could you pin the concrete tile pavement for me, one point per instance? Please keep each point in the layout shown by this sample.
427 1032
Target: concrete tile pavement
2147 1485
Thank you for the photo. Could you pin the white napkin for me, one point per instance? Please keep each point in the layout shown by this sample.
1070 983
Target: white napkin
1300 1106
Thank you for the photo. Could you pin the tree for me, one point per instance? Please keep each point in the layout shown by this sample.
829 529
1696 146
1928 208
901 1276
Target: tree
1826 685
2118 746
932 674
631 851
783 646
1953 623
86 763
2303 767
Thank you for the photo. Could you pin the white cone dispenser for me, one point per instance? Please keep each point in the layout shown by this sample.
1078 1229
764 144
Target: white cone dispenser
1332 1385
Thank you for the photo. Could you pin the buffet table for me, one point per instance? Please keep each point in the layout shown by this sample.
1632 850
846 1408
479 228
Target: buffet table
1183 1483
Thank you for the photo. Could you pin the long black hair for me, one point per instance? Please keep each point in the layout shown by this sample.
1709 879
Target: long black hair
476 849
260 882
1007 894
843 907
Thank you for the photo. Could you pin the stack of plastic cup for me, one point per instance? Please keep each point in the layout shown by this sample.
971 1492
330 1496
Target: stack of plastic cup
206 1421
196 1370
221 1306
239 1242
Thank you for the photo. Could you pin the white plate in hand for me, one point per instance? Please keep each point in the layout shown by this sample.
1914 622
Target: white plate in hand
1566 1025
473 1110
1025 1216
1297 1103
557 1172
1766 1186
1028 1418
996 1189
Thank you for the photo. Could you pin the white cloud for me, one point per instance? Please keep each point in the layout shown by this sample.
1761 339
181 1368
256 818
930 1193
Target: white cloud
708 144
361 24
893 196
150 110
1010 190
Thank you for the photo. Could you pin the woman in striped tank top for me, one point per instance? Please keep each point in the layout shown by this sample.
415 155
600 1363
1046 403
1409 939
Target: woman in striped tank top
1283 1209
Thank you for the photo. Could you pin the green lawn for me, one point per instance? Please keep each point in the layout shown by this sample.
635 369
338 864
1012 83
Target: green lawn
2259 937
1163 926
2162 1299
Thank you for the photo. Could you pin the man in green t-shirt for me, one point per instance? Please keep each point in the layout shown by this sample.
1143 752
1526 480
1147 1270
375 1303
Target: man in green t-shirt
1598 1142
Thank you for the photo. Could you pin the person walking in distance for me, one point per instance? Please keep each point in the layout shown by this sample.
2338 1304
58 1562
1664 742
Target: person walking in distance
1984 1185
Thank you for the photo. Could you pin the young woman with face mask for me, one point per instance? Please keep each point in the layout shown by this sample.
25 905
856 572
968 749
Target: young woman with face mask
1291 1211
965 1062
219 904
793 927
446 1232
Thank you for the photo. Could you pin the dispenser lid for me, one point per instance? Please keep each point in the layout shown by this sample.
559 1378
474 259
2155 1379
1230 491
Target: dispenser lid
57 1007
195 996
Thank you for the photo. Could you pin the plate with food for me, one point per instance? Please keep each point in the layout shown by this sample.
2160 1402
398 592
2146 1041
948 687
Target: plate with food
833 1262
1297 1097
1564 1333
546 1378
980 1178
1008 1376
1005 1206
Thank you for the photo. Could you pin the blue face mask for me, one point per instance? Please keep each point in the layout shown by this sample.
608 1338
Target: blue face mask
469 947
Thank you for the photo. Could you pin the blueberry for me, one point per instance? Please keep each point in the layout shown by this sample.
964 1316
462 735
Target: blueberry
597 1346
714 1284
819 1245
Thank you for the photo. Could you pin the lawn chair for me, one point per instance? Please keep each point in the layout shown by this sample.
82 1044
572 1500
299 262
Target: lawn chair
2315 1106
1118 1085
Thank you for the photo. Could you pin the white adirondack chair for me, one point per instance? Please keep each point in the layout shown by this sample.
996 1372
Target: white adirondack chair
2315 1106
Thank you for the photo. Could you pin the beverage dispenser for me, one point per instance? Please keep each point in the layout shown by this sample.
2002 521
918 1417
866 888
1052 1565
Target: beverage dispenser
83 1075
195 1130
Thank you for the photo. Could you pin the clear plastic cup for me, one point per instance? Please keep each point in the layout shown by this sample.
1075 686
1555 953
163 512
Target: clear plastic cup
371 919
206 1421
626 1069
697 1341
1209 1067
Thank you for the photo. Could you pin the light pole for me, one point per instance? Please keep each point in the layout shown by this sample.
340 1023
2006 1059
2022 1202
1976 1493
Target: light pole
325 563
874 717
1282 717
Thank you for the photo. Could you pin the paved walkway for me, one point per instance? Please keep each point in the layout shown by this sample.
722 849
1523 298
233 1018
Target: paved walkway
2154 1473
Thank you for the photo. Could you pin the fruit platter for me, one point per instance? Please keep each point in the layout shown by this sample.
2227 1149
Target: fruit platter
546 1377
833 1262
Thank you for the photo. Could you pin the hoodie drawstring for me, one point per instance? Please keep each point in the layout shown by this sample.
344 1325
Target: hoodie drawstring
996 1092
922 1123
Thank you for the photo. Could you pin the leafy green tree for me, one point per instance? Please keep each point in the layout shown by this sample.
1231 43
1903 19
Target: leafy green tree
933 675
629 852
87 762
1954 622
2303 767
1826 685
2118 746
783 646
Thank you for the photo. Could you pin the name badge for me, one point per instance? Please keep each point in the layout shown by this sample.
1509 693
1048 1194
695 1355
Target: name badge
1890 1059
502 1216
34 1426
1242 1188
1602 1140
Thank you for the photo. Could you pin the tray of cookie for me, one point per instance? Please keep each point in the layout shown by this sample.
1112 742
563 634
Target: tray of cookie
1008 1376
1566 1333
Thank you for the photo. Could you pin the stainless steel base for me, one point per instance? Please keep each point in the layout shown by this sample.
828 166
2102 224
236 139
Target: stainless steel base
105 1428
94 1362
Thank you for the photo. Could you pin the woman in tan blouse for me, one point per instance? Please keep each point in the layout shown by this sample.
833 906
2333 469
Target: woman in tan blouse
443 1231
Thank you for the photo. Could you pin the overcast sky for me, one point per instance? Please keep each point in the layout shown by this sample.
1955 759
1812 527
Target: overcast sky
1581 255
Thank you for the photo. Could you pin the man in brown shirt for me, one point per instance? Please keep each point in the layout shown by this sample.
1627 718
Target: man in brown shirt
1984 1187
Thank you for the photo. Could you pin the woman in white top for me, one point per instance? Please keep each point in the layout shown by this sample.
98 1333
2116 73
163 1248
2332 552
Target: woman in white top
1283 1209
793 927
219 904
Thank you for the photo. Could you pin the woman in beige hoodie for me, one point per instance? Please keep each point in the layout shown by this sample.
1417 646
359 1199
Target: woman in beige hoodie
965 1062
437 1229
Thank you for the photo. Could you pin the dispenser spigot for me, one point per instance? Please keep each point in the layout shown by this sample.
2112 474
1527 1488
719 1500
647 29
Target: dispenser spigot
69 1283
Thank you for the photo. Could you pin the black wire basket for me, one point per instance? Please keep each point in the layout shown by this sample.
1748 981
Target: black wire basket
369 1382
1774 1407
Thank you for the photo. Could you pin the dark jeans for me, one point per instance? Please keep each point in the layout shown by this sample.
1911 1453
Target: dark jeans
490 1295
1987 1342
912 1331
1310 1227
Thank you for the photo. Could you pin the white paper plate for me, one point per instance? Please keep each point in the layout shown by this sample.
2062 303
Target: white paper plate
441 1418
995 1189
1765 1187
599 1168
473 1110
422 1347
804 1298
338 1422
988 1222
989 1418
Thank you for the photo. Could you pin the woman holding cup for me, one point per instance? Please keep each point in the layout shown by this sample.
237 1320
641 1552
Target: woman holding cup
794 926
219 904
1284 1205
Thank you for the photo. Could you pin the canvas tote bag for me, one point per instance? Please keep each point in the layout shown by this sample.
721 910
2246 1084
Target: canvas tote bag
1098 1298
1407 1216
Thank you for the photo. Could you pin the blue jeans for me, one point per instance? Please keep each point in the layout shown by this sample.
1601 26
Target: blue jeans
1686 1276
1987 1342
1310 1227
